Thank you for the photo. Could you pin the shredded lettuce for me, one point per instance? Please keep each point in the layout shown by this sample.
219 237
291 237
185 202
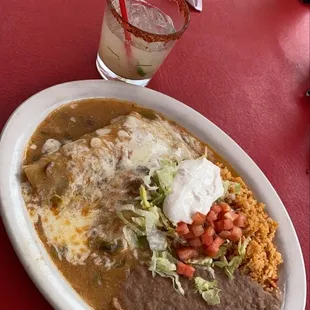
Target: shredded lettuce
222 262
164 220
212 297
229 184
223 249
158 198
148 179
242 246
139 220
204 285
146 205
154 219
143 195
164 265
156 238
166 174
130 237
231 266
208 290
202 261
158 182
138 231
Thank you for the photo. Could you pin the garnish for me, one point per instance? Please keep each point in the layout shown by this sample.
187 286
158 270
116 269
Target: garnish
140 71
152 229
208 290
159 181
202 244
165 265
231 266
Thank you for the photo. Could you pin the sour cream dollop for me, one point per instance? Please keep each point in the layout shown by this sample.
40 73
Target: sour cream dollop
195 187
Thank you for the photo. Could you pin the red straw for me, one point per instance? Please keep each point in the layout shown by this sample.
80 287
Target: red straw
127 34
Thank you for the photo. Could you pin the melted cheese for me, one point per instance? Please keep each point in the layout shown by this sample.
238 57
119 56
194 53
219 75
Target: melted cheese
91 164
67 232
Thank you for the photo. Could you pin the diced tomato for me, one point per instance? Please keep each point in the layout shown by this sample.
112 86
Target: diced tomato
231 215
212 250
185 270
187 253
197 230
225 207
211 216
224 234
195 243
219 226
182 229
198 218
228 224
206 239
240 220
236 234
209 231
218 241
216 208
190 235
211 224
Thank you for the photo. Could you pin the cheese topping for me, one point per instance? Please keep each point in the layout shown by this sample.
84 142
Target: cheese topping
51 146
88 169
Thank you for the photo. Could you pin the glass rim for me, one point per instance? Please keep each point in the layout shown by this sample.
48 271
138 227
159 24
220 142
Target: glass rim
154 37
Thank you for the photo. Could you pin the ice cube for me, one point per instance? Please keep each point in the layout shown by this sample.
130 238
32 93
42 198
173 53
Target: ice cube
149 18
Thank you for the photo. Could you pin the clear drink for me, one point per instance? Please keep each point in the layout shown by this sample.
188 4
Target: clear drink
133 51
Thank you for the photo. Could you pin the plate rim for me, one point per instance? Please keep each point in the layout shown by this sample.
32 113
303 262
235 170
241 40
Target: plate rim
76 86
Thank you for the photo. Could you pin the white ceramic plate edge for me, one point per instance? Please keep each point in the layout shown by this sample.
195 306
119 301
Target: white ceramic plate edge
17 222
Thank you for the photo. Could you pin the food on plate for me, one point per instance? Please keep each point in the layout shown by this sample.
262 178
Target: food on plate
137 213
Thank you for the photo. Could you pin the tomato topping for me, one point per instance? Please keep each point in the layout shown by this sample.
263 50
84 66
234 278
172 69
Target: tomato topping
240 220
216 208
212 250
225 207
195 243
209 231
218 241
224 234
206 239
198 218
187 253
190 235
182 229
211 216
197 230
219 226
231 215
185 270
228 224
211 224
236 234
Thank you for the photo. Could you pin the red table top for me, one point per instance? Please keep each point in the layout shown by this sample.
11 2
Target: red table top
244 64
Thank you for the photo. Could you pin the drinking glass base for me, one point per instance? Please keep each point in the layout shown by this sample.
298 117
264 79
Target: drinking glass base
107 74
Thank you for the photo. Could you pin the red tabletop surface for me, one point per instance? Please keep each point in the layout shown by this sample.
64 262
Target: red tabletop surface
244 64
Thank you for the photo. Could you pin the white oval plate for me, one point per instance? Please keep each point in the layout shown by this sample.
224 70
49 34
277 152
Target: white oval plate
24 238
